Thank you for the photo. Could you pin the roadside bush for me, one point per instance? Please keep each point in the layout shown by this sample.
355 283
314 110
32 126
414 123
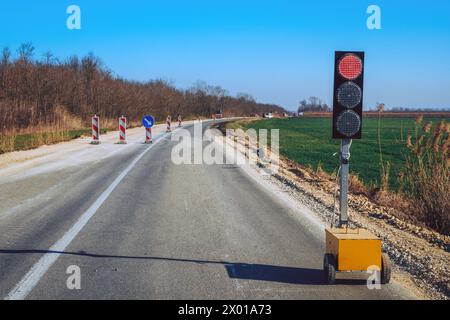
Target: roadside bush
426 175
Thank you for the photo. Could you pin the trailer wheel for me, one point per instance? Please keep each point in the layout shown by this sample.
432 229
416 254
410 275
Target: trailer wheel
329 269
385 269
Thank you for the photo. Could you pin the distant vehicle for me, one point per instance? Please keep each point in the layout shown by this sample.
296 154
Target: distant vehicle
268 115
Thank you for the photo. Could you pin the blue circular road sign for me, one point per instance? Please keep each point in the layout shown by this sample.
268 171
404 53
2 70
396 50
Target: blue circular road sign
148 121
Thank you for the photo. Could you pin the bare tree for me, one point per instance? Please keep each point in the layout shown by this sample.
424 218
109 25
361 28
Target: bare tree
313 104
34 92
26 51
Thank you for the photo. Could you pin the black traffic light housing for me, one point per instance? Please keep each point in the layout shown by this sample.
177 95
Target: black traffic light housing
348 94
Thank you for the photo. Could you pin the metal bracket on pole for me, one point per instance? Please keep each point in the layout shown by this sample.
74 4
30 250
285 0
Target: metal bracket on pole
343 195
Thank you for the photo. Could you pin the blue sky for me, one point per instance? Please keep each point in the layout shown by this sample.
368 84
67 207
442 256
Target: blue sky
279 51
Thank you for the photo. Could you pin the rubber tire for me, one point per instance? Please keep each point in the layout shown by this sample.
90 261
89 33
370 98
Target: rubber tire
329 269
386 269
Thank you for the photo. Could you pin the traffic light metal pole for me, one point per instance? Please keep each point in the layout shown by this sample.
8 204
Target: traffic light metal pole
343 195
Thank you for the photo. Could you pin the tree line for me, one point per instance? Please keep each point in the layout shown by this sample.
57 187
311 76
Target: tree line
32 89
313 104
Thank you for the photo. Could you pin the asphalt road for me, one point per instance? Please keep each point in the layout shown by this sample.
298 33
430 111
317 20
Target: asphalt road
164 232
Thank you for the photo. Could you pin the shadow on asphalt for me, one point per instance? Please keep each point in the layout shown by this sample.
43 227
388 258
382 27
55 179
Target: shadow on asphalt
264 272
243 271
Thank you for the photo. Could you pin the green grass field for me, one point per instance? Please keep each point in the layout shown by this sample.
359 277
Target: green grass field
308 141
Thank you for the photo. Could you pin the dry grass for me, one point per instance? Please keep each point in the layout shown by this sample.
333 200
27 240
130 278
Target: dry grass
43 132
426 176
109 124
385 167
58 128
7 142
356 186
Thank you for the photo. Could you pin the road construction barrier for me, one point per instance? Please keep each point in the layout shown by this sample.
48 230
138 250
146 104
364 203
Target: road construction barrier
148 136
169 124
122 130
95 130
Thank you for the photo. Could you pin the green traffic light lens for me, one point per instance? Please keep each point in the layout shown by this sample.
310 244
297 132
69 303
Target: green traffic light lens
348 123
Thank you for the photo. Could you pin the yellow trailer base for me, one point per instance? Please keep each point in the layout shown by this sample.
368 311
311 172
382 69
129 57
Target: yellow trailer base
353 249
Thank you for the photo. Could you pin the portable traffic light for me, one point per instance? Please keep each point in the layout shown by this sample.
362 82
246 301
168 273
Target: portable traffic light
348 95
348 249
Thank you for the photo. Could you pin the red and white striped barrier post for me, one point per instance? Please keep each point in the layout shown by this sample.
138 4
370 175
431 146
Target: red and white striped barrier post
169 124
95 130
122 130
148 136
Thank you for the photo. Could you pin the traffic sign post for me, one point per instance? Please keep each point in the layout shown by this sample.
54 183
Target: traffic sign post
148 136
343 195
148 122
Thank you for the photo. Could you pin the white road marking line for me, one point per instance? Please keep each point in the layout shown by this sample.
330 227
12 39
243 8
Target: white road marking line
39 269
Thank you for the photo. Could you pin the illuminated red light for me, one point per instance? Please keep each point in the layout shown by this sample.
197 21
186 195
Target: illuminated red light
350 67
